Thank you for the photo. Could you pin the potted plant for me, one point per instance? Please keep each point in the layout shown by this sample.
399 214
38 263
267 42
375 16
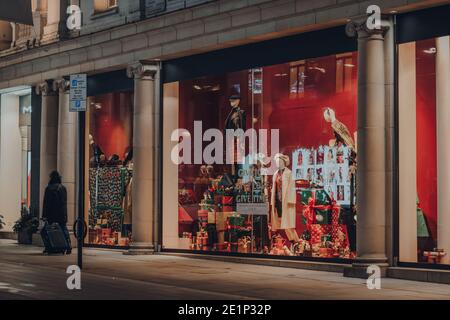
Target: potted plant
26 226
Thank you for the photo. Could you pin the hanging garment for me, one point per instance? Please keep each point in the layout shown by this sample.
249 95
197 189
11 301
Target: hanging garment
288 200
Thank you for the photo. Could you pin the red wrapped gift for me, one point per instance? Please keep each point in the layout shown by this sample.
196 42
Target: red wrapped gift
227 209
317 231
106 233
317 204
227 200
339 235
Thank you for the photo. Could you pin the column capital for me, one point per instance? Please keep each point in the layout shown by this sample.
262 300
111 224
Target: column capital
45 89
61 85
145 70
358 27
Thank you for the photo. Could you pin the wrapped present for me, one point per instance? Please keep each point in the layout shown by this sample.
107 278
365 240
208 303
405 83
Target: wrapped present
202 238
236 220
211 217
325 252
318 231
236 228
227 200
318 207
227 208
106 233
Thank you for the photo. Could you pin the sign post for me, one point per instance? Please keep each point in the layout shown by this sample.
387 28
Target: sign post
77 103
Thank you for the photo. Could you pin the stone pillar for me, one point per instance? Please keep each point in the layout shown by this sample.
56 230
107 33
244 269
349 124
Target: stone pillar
55 27
145 157
443 144
67 143
371 160
407 152
49 134
39 8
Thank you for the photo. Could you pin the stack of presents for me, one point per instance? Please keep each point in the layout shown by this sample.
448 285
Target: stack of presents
324 232
214 225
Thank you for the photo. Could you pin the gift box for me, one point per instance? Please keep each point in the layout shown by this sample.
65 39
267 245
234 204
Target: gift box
106 233
202 238
227 200
235 228
317 206
236 220
318 231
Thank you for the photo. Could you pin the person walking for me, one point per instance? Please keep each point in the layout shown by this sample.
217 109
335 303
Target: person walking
55 205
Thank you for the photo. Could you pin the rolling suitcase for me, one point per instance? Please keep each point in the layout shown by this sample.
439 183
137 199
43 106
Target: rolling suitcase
54 239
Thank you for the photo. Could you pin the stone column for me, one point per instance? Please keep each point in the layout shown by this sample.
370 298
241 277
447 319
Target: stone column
443 143
67 143
49 134
371 161
144 157
407 152
56 12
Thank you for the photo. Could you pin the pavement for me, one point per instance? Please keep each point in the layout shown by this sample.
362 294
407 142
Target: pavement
108 274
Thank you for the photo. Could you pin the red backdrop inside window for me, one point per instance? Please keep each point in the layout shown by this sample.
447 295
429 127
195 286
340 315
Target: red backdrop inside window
426 131
111 122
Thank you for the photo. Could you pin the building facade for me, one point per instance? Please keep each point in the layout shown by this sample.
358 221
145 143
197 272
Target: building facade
361 171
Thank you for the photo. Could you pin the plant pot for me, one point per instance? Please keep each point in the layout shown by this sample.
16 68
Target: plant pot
25 237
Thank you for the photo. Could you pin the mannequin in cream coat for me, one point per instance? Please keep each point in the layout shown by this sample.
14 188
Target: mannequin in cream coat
288 216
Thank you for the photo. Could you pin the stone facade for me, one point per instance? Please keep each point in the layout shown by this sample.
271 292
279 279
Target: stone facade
129 36
111 41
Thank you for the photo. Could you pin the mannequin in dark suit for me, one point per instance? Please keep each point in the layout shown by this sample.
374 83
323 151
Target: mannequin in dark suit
236 120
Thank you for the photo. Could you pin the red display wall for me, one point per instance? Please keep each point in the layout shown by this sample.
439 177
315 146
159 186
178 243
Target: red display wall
111 125
426 131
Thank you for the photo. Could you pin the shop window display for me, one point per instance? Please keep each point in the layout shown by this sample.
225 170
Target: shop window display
424 221
302 207
110 168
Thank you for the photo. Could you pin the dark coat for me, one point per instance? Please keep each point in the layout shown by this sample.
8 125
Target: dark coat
55 203
236 119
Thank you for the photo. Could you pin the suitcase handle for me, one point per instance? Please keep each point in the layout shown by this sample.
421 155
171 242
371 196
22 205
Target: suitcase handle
75 228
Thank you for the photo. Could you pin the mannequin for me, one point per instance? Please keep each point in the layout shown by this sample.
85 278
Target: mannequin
283 198
97 153
236 120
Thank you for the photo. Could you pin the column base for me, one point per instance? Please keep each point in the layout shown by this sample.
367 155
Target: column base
137 249
360 267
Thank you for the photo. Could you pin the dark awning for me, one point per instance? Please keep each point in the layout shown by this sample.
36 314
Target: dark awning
16 11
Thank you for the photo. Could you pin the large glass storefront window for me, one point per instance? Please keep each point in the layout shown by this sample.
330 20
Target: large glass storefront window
15 154
424 144
110 168
302 205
